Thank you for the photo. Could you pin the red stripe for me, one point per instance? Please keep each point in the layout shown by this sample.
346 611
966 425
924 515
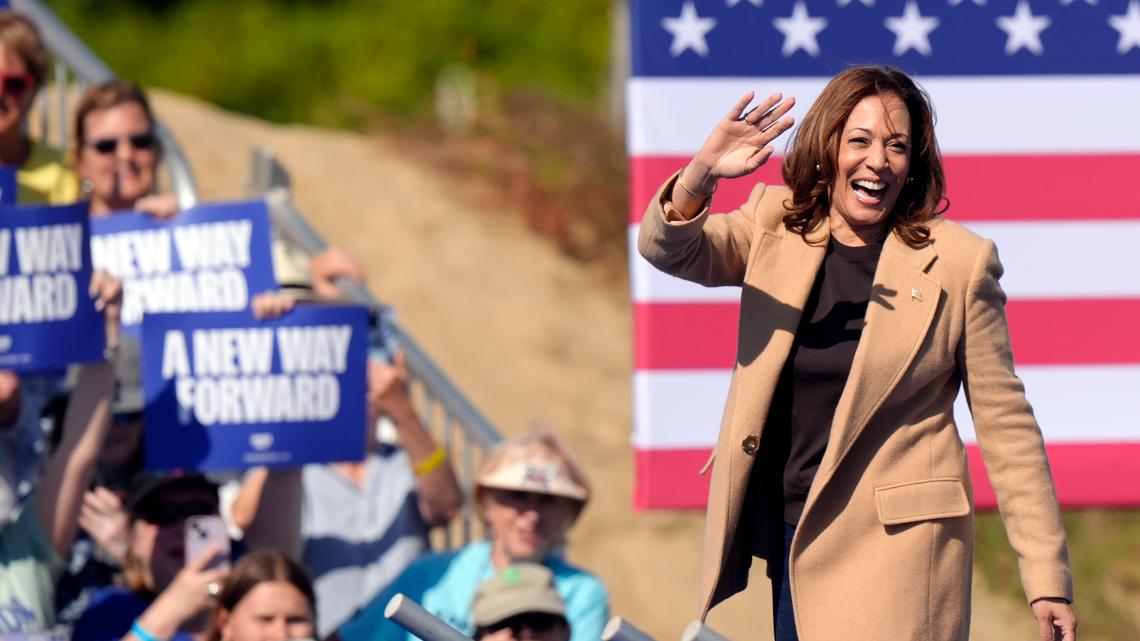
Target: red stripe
691 336
1085 475
979 187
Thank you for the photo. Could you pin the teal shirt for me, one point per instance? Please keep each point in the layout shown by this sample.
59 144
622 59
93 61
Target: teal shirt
28 566
444 584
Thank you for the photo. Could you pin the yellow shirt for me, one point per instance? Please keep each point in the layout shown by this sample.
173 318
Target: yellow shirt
45 178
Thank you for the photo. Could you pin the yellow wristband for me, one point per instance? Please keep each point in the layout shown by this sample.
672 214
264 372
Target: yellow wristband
431 463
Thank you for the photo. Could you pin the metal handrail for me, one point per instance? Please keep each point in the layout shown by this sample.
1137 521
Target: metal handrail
619 629
88 69
415 619
269 179
698 631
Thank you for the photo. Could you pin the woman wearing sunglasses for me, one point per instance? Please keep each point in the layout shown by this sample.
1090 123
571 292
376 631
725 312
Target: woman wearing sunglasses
166 597
529 492
117 152
42 175
116 160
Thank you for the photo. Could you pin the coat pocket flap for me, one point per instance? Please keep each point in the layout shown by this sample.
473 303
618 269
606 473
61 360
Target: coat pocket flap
921 501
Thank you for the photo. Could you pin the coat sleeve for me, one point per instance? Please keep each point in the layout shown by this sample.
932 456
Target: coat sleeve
1010 439
707 250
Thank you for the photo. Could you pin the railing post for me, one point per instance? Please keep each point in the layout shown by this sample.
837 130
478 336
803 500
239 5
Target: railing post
618 629
697 631
425 625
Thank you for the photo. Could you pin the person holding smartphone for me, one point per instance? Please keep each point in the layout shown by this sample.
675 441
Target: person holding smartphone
176 562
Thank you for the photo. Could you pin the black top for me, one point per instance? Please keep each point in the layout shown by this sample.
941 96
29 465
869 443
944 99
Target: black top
816 371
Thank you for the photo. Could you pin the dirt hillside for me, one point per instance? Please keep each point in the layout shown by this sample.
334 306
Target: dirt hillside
524 331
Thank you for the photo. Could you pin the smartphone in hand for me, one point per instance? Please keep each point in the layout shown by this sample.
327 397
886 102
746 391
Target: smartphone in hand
204 533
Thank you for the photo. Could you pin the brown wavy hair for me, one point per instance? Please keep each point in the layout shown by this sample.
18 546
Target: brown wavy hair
105 96
20 35
816 144
253 569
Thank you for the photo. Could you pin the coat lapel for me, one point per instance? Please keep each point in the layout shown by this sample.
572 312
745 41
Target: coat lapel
903 301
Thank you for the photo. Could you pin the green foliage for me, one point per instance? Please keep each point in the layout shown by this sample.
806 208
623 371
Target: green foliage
1104 547
343 62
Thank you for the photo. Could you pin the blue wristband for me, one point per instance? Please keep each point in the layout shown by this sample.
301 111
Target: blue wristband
139 632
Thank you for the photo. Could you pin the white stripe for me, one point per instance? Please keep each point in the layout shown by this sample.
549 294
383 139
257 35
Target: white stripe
1087 404
975 115
1054 259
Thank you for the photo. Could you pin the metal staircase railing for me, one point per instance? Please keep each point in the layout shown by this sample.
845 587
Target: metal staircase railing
461 428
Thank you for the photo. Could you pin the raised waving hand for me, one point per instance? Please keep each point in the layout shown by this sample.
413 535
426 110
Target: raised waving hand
738 146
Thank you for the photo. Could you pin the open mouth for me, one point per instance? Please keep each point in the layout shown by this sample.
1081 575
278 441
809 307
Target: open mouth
869 192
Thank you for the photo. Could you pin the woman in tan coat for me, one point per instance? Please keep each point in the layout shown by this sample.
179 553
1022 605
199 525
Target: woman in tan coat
862 314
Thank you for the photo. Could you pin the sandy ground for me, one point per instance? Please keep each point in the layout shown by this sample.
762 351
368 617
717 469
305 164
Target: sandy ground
524 331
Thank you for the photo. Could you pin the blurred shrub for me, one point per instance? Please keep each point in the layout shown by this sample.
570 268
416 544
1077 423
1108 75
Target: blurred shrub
342 62
1104 552
539 71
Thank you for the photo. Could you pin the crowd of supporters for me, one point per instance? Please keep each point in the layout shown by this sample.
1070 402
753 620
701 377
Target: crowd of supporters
94 545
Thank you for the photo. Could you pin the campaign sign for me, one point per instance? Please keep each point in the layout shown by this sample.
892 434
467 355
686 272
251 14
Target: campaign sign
212 258
48 319
225 392
8 185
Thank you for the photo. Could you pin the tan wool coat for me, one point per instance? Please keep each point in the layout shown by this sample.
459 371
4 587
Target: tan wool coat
884 548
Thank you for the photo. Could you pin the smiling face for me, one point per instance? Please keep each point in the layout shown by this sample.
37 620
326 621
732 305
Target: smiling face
271 611
525 526
119 156
871 169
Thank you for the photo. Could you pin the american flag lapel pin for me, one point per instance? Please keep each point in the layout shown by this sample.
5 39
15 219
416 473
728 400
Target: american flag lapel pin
915 295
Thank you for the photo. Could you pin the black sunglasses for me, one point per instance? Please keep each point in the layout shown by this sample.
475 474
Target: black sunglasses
108 145
163 514
16 85
535 621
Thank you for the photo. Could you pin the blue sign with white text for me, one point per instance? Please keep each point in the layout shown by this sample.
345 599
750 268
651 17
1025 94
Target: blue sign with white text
225 392
212 258
9 188
48 319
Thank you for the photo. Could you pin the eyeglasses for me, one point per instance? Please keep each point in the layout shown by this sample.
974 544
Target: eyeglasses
16 84
163 514
140 142
538 622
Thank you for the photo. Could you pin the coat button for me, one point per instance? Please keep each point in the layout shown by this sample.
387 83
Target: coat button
750 445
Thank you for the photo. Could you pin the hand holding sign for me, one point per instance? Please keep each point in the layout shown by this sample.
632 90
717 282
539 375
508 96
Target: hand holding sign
108 294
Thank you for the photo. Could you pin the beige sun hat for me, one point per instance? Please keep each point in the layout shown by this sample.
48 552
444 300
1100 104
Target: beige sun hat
534 462
521 588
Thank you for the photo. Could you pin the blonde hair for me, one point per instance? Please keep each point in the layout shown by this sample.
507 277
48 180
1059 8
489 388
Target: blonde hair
20 34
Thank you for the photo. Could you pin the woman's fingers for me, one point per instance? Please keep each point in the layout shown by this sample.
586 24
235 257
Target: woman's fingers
774 114
738 108
757 113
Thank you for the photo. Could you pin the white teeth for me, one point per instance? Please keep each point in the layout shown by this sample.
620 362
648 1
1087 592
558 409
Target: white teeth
868 184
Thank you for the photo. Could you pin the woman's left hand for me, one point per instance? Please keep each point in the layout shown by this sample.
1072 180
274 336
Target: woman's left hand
108 294
160 206
1055 619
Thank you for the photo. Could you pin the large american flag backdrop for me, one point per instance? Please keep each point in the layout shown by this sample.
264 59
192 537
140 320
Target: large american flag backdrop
1038 105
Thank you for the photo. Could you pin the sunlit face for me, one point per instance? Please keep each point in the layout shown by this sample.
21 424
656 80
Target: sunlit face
871 168
271 611
525 526
119 157
18 89
158 540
